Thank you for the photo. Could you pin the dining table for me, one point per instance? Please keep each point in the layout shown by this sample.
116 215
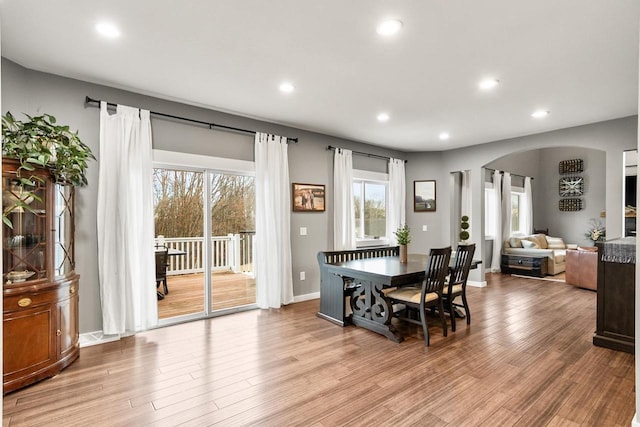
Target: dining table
363 281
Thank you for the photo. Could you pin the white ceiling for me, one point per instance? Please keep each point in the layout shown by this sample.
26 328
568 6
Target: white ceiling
575 58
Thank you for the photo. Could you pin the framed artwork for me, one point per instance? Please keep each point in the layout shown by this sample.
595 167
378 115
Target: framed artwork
424 196
308 197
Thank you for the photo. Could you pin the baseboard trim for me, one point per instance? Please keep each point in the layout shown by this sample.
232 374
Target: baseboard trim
477 284
95 338
306 297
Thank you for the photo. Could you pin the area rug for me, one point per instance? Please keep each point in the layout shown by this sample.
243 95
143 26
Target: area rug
557 278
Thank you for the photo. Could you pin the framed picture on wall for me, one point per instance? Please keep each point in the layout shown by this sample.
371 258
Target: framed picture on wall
424 196
307 197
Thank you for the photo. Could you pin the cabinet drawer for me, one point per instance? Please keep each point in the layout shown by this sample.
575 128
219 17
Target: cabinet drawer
522 261
27 300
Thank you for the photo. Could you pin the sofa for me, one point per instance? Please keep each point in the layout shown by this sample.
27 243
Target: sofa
582 267
554 248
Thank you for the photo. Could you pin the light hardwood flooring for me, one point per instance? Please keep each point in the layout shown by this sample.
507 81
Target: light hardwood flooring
526 359
186 293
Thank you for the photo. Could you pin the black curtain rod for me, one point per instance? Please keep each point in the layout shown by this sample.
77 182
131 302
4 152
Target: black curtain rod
88 100
514 174
375 156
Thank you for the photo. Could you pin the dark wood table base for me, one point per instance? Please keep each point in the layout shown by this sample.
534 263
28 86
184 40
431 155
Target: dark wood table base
372 310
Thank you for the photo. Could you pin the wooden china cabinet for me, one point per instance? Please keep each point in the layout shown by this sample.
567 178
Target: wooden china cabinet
40 286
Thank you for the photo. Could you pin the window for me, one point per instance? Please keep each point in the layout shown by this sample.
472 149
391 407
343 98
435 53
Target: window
370 205
517 211
517 205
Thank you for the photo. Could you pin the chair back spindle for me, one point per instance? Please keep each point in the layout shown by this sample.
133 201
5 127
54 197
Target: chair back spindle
436 271
461 265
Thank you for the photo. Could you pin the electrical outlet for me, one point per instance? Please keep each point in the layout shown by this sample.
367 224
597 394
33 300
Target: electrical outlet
424 228
303 231
302 275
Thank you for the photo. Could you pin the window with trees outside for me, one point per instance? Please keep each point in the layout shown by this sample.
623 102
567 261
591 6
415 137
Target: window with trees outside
370 203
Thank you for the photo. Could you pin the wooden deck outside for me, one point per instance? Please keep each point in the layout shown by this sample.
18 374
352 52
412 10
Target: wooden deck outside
186 293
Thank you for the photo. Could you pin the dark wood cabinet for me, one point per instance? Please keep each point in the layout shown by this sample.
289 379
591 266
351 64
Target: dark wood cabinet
40 286
615 321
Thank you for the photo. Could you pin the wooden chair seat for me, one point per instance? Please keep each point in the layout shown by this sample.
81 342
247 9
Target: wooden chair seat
455 289
428 295
411 294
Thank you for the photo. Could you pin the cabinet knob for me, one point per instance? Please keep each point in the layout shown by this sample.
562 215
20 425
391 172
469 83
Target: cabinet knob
24 302
58 332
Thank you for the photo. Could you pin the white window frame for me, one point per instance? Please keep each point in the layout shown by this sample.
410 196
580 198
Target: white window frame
377 178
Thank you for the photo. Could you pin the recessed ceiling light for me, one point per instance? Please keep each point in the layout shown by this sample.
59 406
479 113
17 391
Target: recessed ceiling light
108 30
540 114
389 27
488 84
286 87
383 117
444 136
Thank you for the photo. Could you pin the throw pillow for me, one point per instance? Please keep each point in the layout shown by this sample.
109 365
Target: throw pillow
541 239
528 244
515 242
555 243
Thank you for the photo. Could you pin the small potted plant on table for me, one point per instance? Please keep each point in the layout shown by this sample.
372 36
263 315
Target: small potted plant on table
403 235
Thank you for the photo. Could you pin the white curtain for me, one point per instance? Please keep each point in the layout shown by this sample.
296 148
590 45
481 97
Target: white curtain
126 261
465 198
344 236
496 209
527 208
506 206
274 283
396 214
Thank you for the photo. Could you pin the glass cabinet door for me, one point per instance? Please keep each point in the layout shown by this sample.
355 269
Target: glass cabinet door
63 221
25 239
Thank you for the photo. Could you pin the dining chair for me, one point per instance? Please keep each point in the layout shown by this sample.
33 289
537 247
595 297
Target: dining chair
428 295
456 283
162 257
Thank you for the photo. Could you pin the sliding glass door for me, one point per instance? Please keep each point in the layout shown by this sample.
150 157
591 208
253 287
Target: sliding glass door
204 276
179 228
232 201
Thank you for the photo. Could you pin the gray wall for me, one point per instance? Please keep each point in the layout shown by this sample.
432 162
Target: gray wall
34 92
573 225
31 92
613 137
542 165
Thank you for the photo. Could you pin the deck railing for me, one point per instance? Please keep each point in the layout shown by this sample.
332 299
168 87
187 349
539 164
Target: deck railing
234 252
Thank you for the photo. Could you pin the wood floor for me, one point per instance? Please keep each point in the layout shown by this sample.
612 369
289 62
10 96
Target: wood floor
527 359
186 293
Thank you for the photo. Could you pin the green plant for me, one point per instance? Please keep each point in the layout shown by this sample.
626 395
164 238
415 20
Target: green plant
464 226
403 235
41 142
